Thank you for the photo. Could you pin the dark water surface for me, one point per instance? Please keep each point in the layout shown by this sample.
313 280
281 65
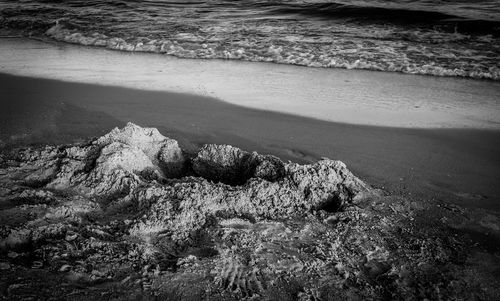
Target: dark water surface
435 37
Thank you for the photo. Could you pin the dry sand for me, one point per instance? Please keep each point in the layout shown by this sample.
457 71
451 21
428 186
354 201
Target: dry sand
458 165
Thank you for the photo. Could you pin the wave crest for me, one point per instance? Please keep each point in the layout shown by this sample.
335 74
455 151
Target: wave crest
383 57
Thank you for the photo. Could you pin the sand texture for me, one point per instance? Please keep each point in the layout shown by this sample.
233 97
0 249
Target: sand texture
130 215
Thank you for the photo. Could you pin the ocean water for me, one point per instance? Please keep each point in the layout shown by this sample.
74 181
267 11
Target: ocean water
432 37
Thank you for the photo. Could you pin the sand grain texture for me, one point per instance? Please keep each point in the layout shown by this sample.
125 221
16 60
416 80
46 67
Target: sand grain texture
105 218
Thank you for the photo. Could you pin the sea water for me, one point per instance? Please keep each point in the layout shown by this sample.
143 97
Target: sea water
433 37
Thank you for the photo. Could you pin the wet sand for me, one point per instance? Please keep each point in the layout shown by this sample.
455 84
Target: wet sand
338 95
456 165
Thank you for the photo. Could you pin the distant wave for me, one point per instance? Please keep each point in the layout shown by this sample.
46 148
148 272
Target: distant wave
391 15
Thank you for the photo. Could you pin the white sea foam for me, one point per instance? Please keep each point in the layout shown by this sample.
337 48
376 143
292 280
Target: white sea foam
356 53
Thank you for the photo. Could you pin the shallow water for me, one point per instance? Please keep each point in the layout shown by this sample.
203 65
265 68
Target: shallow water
434 37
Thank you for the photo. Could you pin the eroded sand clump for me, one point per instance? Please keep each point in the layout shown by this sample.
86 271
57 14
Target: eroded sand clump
131 215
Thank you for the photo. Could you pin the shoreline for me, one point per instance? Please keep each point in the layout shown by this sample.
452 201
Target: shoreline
455 165
48 40
338 95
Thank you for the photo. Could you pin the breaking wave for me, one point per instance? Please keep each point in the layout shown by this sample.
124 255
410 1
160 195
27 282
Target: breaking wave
446 42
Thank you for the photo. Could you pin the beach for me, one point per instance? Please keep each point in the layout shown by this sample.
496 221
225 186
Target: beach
291 150
141 176
435 138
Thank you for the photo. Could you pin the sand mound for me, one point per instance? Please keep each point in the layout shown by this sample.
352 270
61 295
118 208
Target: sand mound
132 215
